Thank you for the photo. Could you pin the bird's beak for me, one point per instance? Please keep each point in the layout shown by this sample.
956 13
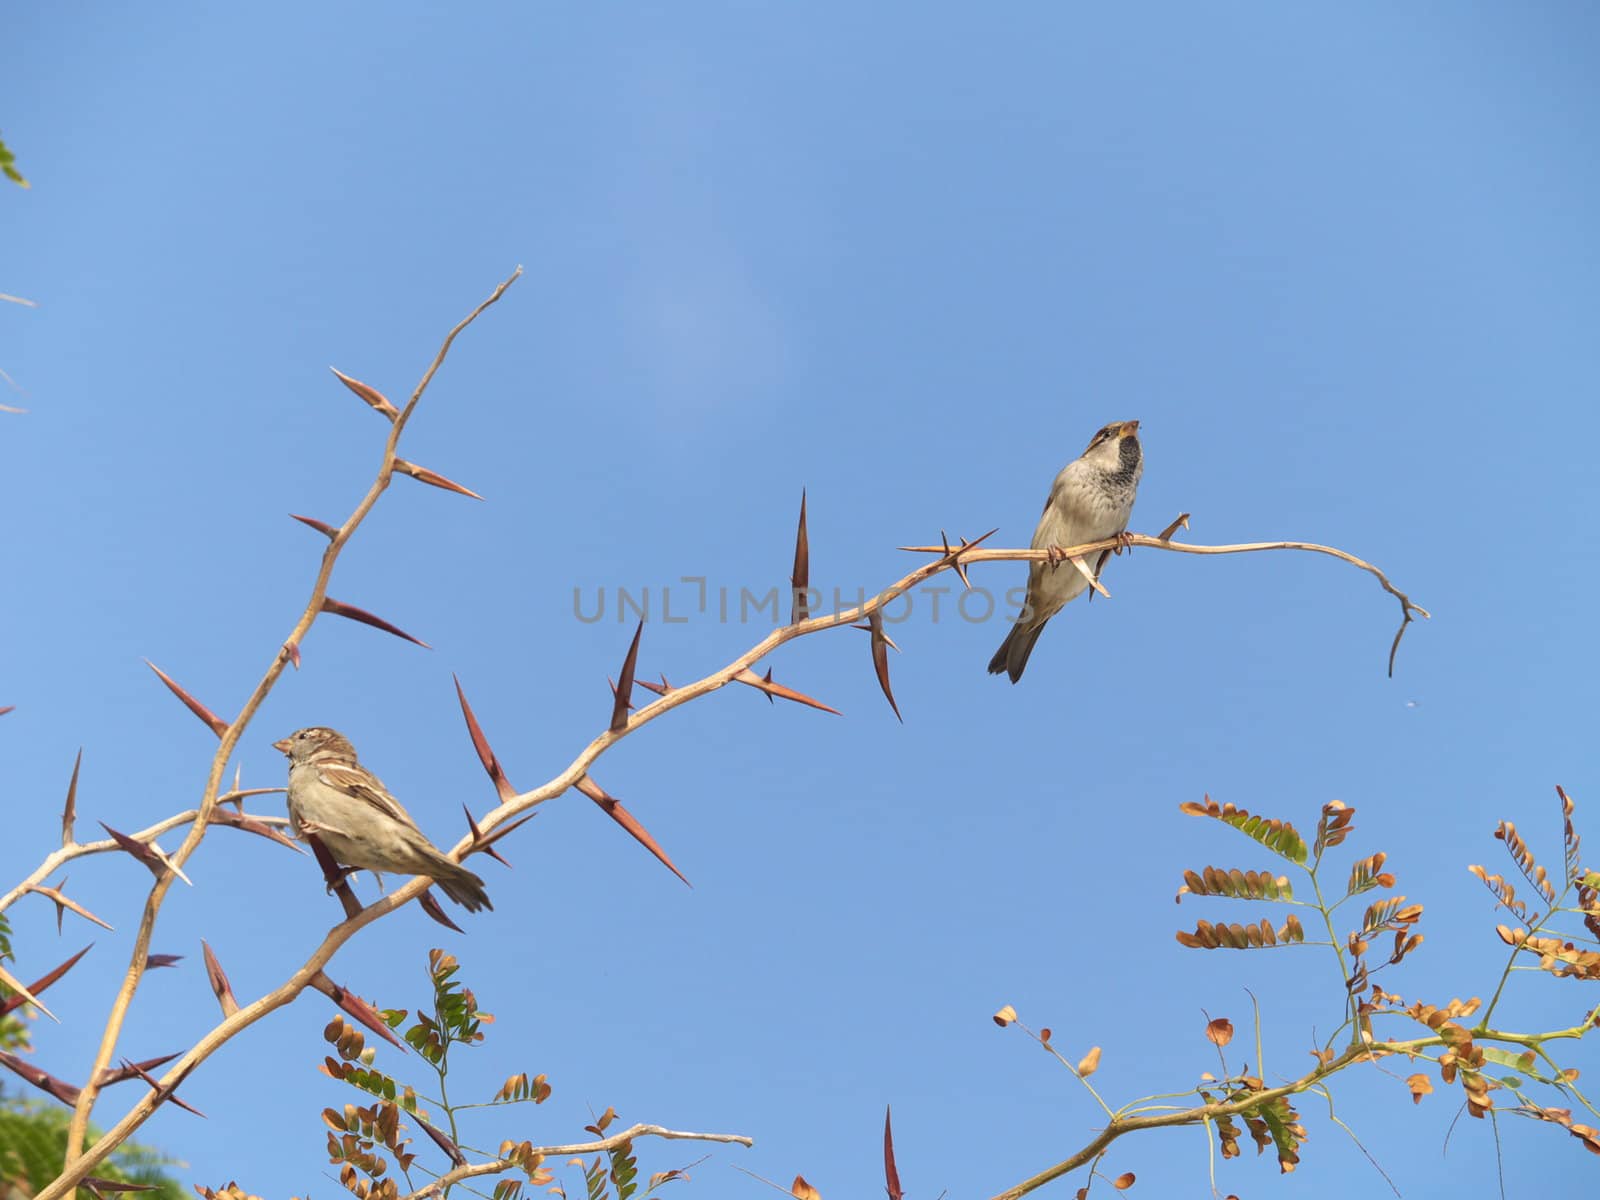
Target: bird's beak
282 745
1129 428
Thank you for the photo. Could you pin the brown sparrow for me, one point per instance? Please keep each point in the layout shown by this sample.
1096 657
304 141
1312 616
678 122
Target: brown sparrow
347 807
1092 499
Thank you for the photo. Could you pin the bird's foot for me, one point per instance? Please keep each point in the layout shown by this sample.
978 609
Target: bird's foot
1124 542
340 876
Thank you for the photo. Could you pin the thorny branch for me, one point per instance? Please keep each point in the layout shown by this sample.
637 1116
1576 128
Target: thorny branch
81 1162
77 1164
59 858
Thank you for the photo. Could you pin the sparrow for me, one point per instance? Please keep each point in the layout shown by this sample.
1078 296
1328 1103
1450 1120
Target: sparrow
1091 499
361 824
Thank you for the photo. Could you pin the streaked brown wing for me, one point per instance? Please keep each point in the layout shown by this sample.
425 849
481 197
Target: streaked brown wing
361 783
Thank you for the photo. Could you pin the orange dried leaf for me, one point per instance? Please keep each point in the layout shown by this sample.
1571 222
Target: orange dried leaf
1420 1086
1123 1182
1090 1062
801 1190
1005 1016
1219 1031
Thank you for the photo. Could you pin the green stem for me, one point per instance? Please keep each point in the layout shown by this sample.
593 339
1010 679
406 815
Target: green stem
1511 959
1338 953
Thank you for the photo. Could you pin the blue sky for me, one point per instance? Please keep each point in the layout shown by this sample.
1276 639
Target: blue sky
1342 264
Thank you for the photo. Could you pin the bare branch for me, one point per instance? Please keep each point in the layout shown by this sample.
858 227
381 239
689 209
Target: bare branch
501 1165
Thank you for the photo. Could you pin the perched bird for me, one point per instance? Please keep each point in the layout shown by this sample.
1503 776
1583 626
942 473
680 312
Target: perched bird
361 824
1091 499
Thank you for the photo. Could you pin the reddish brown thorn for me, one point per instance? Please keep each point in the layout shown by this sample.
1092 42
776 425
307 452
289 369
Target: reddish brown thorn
356 1007
491 764
156 961
43 1080
423 475
368 393
16 1001
219 981
5 708
623 692
866 627
477 839
59 898
613 809
100 1186
238 795
880 659
660 689
444 1143
335 876
945 550
613 687
162 1093
321 527
1182 522
485 845
150 854
217 724
891 1176
800 577
69 811
292 649
765 685
237 820
961 567
431 907
340 609
112 1075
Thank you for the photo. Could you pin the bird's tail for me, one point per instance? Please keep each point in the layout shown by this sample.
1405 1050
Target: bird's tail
1012 656
460 884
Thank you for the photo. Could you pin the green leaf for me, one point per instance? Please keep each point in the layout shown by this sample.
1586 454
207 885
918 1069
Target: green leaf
1278 836
9 169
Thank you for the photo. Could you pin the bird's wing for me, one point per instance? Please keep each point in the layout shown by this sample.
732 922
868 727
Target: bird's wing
363 785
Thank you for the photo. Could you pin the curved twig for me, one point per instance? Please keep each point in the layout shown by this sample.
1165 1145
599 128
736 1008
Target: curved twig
1409 611
501 1165
67 853
950 559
